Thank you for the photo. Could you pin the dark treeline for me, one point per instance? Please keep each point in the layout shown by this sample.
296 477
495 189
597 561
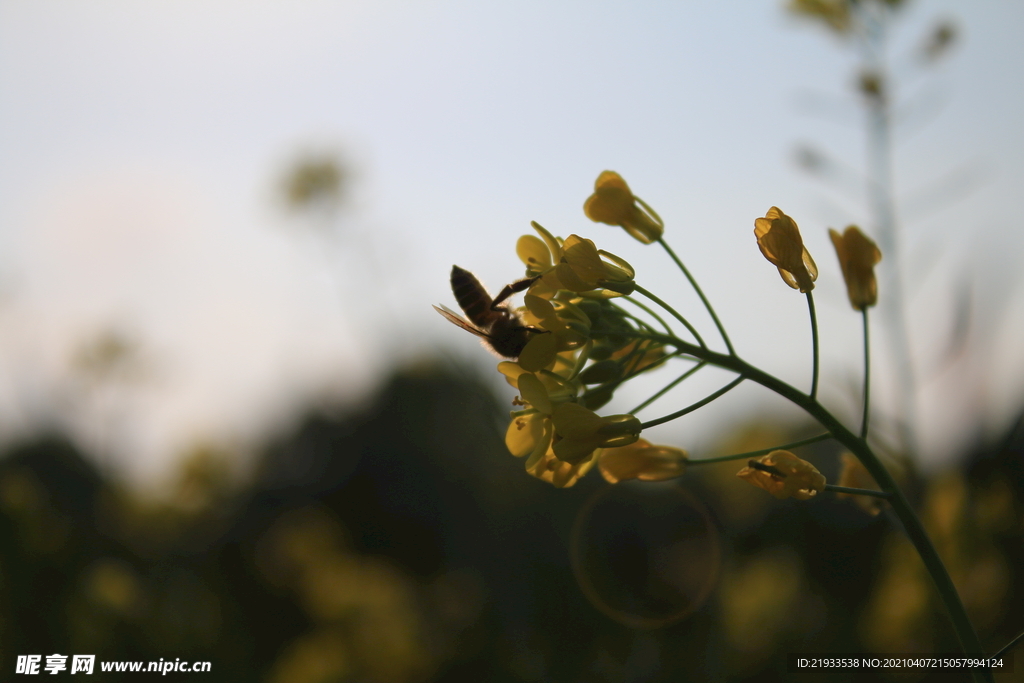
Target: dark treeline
405 544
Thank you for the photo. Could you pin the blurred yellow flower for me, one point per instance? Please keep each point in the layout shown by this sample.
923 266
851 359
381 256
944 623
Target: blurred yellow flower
855 476
858 256
784 475
834 13
641 460
613 203
779 239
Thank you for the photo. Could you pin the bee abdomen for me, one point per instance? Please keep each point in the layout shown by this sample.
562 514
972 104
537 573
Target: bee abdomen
473 299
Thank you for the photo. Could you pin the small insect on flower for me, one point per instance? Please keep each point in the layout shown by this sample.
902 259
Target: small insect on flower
499 327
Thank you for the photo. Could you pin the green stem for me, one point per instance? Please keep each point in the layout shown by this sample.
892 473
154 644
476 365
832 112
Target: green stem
648 310
900 505
857 492
814 344
700 293
763 451
867 376
661 361
668 387
672 311
690 408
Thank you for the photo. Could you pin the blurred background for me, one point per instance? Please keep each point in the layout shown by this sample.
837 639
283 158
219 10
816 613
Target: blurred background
233 429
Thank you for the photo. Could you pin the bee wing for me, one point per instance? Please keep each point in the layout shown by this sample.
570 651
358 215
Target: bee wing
456 319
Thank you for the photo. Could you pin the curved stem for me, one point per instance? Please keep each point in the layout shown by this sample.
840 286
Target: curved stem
672 311
690 408
867 376
668 387
700 293
649 311
814 344
857 492
900 505
763 451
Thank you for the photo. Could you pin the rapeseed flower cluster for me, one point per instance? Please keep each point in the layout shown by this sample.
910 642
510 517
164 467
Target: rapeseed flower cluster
584 348
583 345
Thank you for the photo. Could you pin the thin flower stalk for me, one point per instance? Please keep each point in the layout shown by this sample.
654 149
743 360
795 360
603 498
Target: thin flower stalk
700 293
690 408
857 492
763 451
814 346
900 505
675 314
668 387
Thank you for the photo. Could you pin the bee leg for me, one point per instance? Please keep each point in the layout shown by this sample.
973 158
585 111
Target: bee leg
509 290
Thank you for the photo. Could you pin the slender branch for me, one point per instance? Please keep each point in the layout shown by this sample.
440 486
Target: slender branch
867 376
857 492
672 311
699 404
901 506
700 293
814 344
763 451
881 190
649 311
668 387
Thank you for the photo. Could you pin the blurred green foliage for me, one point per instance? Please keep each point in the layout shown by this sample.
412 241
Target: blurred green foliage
404 544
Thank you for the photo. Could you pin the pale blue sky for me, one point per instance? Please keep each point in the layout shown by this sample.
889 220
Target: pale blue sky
140 144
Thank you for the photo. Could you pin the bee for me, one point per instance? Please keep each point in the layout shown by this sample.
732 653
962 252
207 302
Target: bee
499 327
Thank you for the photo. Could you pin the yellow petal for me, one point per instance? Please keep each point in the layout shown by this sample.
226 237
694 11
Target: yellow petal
611 201
535 393
539 352
534 253
554 246
570 280
539 307
574 421
642 461
511 371
778 238
557 472
526 432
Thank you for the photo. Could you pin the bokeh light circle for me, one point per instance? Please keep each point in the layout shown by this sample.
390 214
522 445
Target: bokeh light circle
647 555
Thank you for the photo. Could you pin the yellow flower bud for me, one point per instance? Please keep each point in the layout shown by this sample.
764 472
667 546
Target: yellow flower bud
784 475
614 204
779 239
858 256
